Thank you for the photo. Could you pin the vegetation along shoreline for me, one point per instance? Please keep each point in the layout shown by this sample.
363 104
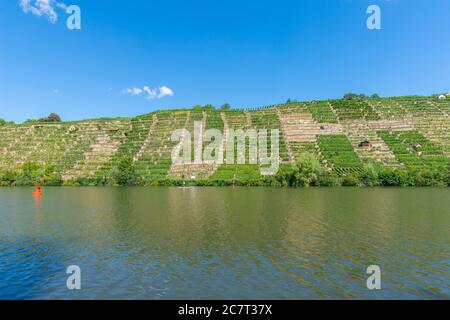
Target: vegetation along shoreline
354 141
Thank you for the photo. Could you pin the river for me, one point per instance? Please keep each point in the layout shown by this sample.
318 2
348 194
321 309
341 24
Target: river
225 243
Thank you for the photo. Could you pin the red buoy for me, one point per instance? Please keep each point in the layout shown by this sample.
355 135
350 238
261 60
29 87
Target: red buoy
37 193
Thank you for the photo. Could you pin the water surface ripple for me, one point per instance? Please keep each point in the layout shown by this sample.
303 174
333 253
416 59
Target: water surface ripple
224 243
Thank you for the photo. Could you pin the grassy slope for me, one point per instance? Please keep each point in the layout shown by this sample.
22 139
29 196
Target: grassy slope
94 147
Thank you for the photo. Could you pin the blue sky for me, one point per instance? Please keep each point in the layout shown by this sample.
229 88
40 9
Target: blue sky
248 53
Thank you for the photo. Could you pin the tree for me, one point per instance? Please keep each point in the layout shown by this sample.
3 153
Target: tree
306 172
29 175
308 169
8 178
369 176
286 176
375 96
362 96
51 176
349 96
2 122
30 169
125 173
225 106
208 107
52 117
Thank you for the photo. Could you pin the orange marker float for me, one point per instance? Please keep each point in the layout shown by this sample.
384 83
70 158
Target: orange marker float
37 193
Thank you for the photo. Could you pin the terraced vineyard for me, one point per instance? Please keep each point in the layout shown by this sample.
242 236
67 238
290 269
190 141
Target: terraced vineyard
302 148
322 112
410 132
337 152
353 109
414 150
236 119
154 161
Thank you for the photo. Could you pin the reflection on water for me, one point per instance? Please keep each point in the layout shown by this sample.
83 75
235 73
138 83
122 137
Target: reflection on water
257 243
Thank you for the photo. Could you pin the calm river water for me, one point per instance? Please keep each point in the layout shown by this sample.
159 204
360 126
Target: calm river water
224 243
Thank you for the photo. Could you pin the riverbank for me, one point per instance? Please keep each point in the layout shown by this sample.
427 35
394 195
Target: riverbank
288 176
404 139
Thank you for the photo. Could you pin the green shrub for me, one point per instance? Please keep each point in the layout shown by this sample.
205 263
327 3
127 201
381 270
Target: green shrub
428 178
308 168
304 173
125 173
395 178
446 177
388 178
327 179
405 177
286 176
30 169
51 177
349 180
8 178
369 176
30 174
85 182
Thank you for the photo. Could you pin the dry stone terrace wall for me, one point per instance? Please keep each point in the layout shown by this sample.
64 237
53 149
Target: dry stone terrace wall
361 122
99 143
264 118
430 119
236 119
155 160
74 149
196 169
300 125
388 131
376 150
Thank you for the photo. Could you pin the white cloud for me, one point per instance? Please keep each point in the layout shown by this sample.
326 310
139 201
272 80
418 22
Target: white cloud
134 91
150 93
164 91
42 8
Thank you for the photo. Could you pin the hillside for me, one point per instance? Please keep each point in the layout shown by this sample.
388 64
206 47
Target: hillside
344 135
